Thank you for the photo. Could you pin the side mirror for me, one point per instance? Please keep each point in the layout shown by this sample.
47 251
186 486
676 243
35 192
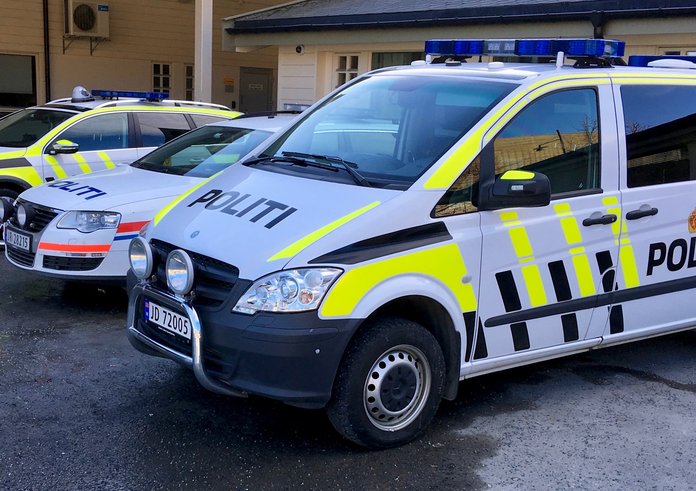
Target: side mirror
516 188
63 146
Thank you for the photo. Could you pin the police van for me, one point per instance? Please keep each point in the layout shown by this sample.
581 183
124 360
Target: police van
513 213
79 228
91 131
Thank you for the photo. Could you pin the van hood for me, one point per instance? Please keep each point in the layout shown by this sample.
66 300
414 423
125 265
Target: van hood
108 190
259 220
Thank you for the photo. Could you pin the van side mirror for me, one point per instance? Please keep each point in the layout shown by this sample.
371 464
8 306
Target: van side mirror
63 146
516 188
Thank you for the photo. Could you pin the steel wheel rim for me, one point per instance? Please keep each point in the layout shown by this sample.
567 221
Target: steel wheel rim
397 387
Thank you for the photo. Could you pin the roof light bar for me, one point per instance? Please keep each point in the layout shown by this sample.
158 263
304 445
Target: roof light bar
150 96
525 47
643 60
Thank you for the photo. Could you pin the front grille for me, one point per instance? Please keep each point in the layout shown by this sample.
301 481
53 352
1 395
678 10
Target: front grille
19 256
213 279
42 216
71 263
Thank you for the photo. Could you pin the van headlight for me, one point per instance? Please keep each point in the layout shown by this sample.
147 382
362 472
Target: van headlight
295 290
140 256
89 221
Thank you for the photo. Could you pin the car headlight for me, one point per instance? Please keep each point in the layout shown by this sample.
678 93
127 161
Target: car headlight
140 256
179 272
295 290
88 221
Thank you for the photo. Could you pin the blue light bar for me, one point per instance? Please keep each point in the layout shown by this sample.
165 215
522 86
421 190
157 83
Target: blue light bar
150 96
525 47
643 60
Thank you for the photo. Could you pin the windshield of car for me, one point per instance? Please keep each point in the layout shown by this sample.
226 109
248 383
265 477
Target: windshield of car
203 152
390 128
25 127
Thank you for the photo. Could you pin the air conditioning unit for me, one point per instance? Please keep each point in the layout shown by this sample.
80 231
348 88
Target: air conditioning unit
87 19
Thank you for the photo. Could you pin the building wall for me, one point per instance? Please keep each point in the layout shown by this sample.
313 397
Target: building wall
141 33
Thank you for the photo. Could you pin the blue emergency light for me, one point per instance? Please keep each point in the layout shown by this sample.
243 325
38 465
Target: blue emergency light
148 96
643 60
600 48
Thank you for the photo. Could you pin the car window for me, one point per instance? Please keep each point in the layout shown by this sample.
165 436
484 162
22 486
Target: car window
660 144
202 119
157 128
102 132
203 152
25 127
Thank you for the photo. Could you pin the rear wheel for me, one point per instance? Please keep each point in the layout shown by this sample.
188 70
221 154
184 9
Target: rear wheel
11 195
389 385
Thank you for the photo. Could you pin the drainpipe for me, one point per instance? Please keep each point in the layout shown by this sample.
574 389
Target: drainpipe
47 54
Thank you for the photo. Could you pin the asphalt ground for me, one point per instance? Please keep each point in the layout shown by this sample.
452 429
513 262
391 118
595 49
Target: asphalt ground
80 409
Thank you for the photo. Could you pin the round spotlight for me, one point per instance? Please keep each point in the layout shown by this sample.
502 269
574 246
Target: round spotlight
25 213
179 272
6 209
140 256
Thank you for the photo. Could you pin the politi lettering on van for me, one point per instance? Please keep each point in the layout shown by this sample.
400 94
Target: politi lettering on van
240 204
678 254
89 192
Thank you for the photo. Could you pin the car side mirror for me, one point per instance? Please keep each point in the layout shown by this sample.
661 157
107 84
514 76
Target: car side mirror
63 146
516 188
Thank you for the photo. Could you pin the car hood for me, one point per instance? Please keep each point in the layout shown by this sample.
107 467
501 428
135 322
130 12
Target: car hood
109 189
258 220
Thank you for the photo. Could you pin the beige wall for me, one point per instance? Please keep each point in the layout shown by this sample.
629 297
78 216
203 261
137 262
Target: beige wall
141 33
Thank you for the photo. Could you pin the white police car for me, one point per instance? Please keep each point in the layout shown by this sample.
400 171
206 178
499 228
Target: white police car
79 228
512 213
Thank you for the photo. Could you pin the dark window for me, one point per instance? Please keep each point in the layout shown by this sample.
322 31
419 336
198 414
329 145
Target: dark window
25 127
381 60
108 131
660 124
157 128
557 135
461 197
201 119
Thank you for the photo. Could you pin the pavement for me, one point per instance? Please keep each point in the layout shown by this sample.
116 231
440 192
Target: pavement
81 409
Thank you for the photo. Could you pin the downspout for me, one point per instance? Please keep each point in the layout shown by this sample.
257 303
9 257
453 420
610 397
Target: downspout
47 54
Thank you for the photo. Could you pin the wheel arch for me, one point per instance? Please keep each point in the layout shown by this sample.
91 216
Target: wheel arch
14 183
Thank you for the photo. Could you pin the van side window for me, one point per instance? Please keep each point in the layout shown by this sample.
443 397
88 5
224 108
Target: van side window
158 128
660 123
461 197
108 131
557 135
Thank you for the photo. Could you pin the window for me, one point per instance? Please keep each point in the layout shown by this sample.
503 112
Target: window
201 119
382 60
347 68
17 80
108 131
557 135
25 127
161 77
660 144
157 128
461 197
189 82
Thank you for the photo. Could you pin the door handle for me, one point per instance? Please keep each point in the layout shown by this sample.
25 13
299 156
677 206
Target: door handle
601 220
640 213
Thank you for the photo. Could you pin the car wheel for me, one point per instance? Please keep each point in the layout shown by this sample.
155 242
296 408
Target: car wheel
11 195
389 385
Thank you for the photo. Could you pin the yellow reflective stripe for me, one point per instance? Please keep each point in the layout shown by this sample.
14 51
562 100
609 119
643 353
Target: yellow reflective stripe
84 166
583 272
105 158
160 215
628 266
443 263
27 174
520 242
627 260
517 175
55 165
12 155
571 230
573 236
298 245
535 287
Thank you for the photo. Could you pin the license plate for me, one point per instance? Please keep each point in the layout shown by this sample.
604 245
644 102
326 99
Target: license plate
17 239
166 319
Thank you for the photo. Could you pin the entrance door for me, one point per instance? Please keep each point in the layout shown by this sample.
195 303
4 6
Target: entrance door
255 89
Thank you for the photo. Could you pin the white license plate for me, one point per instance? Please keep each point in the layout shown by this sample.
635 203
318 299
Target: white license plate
166 319
15 239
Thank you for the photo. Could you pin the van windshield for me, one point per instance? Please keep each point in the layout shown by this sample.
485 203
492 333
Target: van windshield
203 152
390 128
23 128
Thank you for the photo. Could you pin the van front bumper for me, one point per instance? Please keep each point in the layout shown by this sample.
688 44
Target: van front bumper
292 357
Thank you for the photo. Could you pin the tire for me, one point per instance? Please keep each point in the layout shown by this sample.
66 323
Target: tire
12 195
389 384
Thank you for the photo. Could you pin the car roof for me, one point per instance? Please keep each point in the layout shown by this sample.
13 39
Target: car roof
268 122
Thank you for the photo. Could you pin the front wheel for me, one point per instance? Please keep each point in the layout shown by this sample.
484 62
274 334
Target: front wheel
389 385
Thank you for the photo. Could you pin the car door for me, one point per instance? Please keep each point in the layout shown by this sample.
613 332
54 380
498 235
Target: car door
658 188
103 142
544 268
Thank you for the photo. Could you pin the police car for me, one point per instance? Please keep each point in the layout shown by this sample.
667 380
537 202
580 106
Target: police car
93 131
518 213
79 228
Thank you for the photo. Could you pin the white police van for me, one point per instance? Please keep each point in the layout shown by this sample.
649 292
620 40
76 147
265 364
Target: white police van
79 228
511 213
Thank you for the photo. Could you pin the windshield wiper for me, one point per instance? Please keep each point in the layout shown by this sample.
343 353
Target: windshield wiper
290 160
348 166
